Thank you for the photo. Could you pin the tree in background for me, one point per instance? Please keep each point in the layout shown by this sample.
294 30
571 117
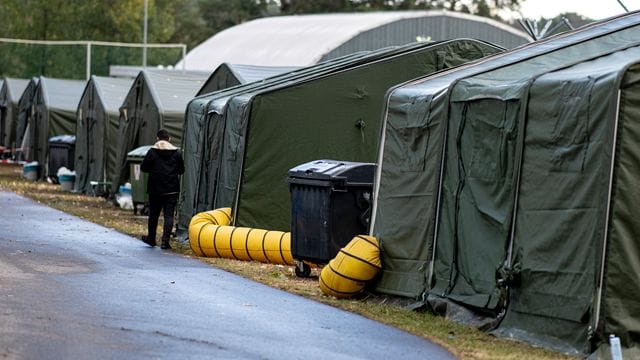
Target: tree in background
113 20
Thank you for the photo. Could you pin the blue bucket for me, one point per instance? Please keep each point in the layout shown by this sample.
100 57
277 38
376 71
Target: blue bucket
66 182
30 171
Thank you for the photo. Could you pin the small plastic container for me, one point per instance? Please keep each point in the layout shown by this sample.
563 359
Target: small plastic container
66 182
30 171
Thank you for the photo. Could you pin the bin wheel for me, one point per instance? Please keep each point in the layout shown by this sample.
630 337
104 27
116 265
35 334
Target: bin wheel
304 272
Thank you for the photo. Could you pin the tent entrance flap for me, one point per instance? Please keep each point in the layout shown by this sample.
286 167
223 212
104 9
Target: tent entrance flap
478 198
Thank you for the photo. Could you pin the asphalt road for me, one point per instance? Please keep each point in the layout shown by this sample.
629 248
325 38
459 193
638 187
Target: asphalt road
70 289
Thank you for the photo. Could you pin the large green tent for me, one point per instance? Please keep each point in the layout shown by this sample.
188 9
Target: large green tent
330 111
516 203
227 75
203 135
25 110
335 115
156 99
97 130
55 103
10 94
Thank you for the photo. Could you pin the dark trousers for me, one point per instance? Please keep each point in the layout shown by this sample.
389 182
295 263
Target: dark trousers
166 204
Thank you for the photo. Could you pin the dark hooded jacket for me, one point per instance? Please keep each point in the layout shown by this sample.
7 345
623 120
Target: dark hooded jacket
164 164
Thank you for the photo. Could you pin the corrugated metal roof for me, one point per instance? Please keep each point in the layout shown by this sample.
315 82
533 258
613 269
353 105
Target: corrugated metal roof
303 40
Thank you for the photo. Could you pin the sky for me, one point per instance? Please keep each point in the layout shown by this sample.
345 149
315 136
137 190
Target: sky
594 9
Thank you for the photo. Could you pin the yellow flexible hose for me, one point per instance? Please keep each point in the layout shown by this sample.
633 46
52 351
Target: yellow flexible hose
211 236
356 264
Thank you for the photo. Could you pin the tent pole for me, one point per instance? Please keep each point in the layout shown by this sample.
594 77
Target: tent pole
598 304
144 34
378 175
443 157
623 6
88 60
184 57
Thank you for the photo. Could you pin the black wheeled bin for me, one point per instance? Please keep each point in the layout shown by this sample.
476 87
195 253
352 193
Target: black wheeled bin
138 179
61 154
330 204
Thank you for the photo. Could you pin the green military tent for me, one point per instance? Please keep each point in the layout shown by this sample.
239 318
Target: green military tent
203 130
335 115
25 109
10 94
330 112
506 186
227 75
97 131
55 103
156 99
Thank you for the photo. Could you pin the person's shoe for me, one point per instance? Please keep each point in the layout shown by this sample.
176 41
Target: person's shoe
148 241
165 245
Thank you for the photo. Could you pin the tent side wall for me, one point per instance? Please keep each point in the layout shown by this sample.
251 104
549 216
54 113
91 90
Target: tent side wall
112 123
82 161
407 203
621 310
191 145
139 122
5 114
24 111
91 139
344 124
39 128
11 122
10 95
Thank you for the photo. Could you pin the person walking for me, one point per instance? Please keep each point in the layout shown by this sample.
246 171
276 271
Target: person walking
164 165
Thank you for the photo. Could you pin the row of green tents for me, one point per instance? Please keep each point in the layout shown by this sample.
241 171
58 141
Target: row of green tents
109 116
505 185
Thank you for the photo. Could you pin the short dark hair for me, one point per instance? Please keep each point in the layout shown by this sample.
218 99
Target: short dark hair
163 135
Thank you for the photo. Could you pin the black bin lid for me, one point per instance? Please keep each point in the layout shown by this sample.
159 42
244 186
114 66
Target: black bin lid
334 170
139 153
62 139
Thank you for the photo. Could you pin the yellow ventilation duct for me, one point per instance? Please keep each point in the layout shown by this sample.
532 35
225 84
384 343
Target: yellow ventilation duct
354 266
210 236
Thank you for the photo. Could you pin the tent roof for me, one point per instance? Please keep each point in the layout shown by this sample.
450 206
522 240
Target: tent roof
111 91
31 84
172 90
303 40
16 88
244 74
251 73
61 94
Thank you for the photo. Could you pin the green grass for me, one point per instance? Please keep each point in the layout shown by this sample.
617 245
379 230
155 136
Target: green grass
463 341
